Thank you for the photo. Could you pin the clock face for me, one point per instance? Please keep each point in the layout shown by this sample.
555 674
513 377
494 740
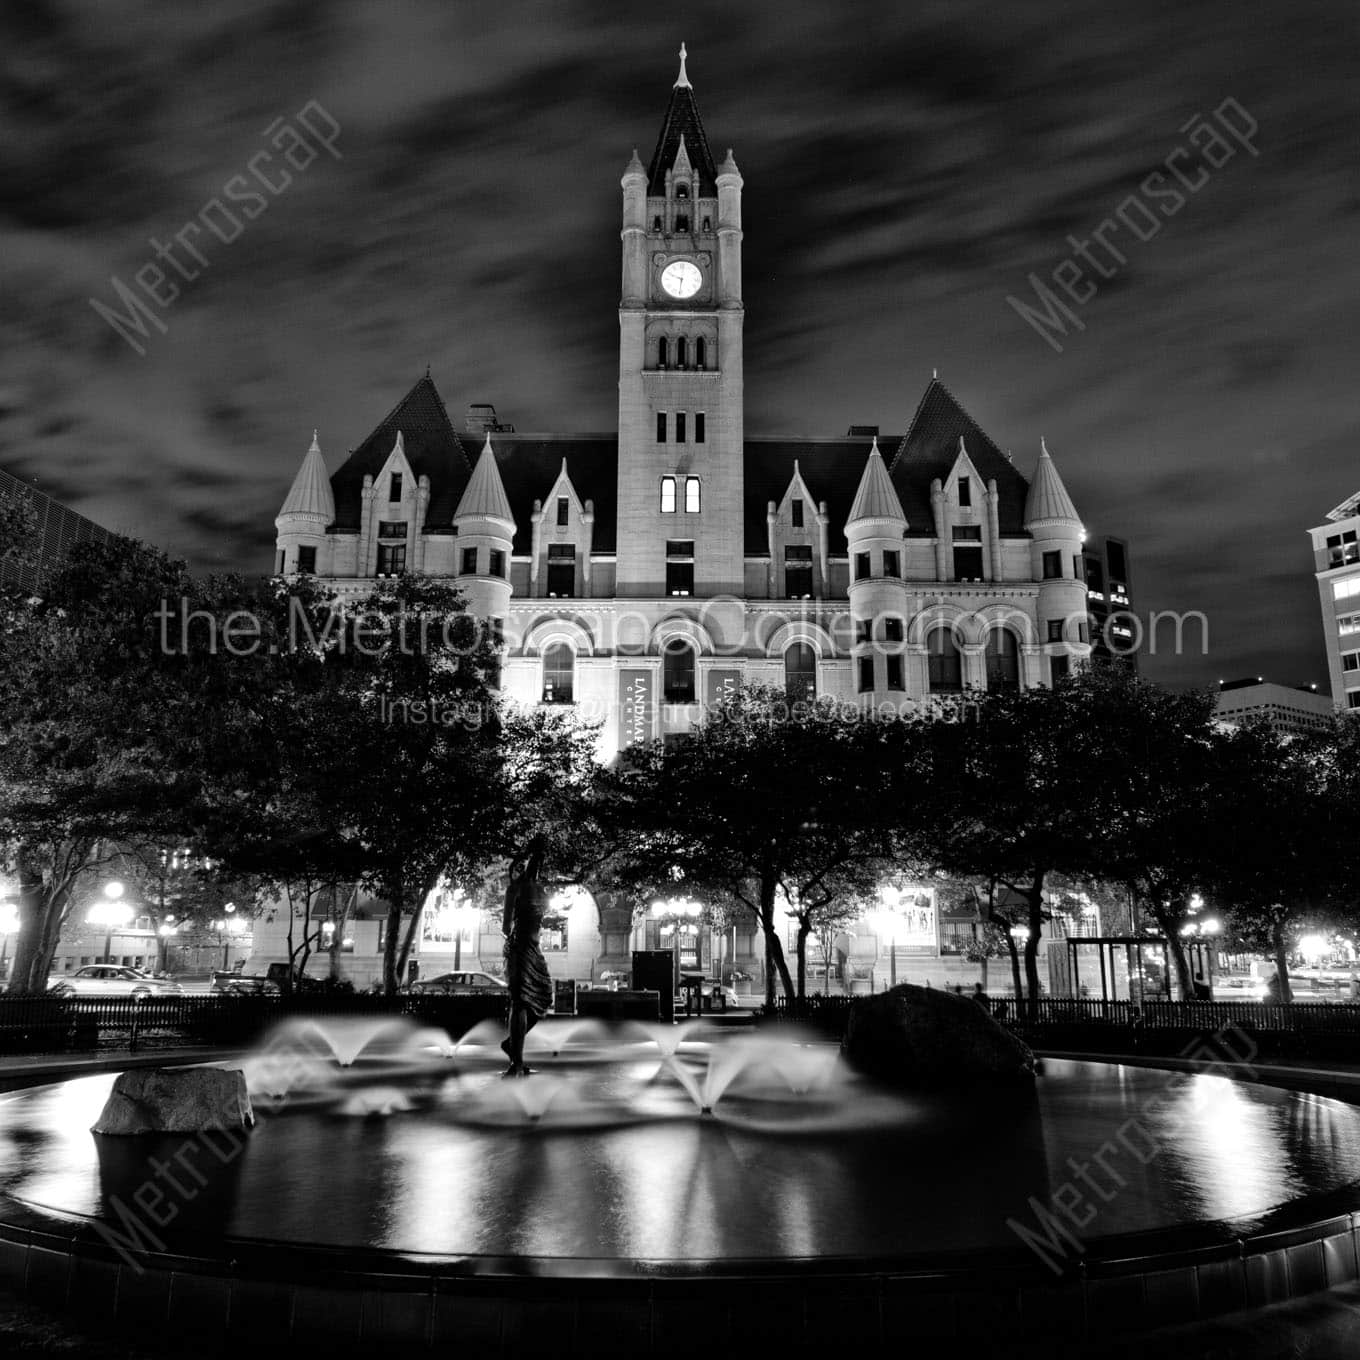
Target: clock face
681 279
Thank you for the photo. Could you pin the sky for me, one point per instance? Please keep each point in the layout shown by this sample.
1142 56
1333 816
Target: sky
907 169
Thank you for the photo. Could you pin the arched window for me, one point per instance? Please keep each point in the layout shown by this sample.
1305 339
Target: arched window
682 222
682 191
559 674
668 495
681 352
946 665
800 672
1003 660
691 495
677 673
662 352
700 353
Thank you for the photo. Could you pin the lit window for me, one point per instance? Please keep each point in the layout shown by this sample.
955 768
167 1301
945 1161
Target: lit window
559 674
1345 590
677 673
668 495
691 495
945 663
800 672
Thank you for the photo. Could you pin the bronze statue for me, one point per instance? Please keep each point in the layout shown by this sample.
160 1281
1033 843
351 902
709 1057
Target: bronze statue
526 974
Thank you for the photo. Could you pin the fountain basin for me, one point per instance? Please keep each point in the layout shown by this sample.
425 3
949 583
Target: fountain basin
428 1225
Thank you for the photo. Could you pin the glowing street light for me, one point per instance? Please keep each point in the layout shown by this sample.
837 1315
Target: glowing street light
9 925
110 913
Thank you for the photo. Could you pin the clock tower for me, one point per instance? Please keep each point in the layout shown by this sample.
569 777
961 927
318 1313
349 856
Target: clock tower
681 427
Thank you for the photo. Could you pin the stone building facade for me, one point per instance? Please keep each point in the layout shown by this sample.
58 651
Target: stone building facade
638 575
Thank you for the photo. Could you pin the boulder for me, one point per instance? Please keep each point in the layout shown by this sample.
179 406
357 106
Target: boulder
919 1037
176 1100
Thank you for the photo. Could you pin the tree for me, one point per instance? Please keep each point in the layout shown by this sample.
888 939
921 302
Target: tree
83 692
18 527
767 805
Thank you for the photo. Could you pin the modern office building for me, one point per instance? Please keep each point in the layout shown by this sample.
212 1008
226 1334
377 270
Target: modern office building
57 530
1294 709
1115 632
1336 561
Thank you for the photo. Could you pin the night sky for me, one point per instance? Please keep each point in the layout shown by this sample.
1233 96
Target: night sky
905 172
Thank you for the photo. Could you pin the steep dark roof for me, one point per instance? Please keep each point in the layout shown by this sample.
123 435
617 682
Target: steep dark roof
529 464
928 450
682 119
832 469
432 449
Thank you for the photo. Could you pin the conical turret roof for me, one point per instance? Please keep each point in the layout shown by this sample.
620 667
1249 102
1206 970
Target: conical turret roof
1048 501
682 121
310 493
484 496
876 497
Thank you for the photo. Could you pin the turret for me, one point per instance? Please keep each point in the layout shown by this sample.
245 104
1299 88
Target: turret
634 234
1055 556
729 232
878 595
485 529
308 509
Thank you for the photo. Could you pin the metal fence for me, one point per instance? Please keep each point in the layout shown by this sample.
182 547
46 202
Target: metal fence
45 1024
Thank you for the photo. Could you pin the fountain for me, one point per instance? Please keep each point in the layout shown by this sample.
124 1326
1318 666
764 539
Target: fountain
643 1161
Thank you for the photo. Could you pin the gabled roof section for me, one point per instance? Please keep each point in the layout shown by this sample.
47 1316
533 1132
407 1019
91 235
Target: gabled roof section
432 449
530 465
929 449
875 498
1048 500
1346 509
484 497
682 120
310 493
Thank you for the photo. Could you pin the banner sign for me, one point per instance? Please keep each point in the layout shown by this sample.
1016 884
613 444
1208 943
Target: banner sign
722 684
637 707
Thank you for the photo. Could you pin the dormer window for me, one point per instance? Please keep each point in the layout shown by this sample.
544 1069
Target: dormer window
394 487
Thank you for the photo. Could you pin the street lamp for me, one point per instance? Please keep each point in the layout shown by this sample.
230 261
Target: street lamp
227 927
167 932
111 913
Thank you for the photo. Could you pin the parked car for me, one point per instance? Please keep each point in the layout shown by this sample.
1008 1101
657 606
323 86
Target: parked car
107 979
458 984
244 984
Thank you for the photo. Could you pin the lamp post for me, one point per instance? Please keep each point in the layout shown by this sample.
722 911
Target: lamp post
110 913
167 932
227 927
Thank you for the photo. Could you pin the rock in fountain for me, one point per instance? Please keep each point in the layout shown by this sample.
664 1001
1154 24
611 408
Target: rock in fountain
176 1100
919 1037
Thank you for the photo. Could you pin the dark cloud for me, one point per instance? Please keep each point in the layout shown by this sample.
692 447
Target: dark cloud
906 169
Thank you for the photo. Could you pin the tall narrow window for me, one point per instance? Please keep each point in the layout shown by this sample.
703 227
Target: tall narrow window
796 512
800 672
391 559
700 352
662 352
679 427
892 564
559 674
698 427
798 571
679 566
677 673
866 674
394 487
682 191
306 561
1003 660
469 562
561 571
862 569
283 563
681 352
965 491
967 552
682 222
1052 565
894 662
691 495
661 427
668 495
945 663
562 511
497 563
1059 668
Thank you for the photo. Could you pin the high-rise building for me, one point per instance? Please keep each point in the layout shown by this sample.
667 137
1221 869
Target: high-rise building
1336 559
1115 632
58 529
1293 709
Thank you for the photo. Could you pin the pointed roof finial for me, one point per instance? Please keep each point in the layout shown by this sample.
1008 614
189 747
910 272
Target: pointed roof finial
316 444
683 78
935 374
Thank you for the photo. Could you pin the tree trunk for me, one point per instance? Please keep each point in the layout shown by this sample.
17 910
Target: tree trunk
390 979
982 970
409 938
1281 962
43 905
341 921
1036 930
803 930
774 951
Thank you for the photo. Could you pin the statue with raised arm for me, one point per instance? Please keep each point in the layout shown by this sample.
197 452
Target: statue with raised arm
526 974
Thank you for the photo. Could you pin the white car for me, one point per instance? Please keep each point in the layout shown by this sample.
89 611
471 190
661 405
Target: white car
470 983
109 979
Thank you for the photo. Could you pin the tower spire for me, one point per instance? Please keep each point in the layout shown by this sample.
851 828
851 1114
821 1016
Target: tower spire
683 78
